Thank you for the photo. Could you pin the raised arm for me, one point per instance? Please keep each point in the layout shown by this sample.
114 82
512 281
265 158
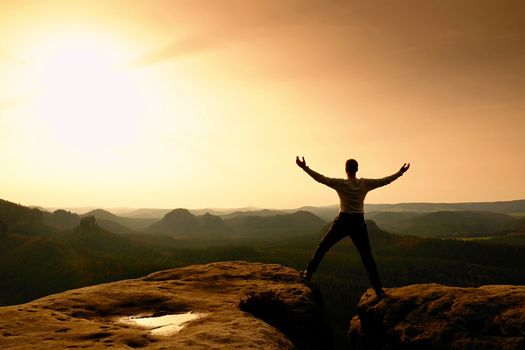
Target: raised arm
300 163
328 181
375 183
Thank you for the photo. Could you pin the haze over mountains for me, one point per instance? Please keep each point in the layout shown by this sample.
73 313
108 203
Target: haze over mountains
420 219
447 223
45 252
326 212
181 223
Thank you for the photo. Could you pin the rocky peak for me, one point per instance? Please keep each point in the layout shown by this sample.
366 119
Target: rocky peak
88 222
432 316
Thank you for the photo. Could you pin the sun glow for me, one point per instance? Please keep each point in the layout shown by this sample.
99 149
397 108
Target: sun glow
86 97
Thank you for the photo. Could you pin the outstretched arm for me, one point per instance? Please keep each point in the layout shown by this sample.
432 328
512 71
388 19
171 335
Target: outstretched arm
330 182
375 183
300 164
404 168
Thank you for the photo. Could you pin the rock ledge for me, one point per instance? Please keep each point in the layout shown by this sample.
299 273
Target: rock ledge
432 316
88 317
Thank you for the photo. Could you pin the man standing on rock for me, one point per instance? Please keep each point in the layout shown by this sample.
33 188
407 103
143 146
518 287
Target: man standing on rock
350 221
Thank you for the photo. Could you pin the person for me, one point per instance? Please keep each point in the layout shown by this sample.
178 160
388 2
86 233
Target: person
350 221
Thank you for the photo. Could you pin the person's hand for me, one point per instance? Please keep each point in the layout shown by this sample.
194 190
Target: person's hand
300 163
404 168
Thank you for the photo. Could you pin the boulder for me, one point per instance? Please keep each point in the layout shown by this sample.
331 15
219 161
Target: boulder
433 316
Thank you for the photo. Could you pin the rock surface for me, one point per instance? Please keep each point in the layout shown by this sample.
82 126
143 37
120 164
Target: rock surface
89 317
432 316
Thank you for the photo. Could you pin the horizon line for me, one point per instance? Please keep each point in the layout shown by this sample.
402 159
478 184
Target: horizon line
250 207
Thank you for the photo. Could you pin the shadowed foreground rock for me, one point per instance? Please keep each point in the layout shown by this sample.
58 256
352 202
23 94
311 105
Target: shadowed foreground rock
432 316
89 317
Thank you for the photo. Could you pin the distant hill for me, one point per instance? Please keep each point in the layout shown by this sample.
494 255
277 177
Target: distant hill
445 223
403 218
102 214
520 227
260 212
89 235
223 213
61 219
181 223
34 263
275 225
508 207
65 220
220 211
35 266
327 213
133 224
114 227
146 213
14 215
42 263
513 236
390 219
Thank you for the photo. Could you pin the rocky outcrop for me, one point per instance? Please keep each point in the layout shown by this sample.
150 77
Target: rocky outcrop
245 306
432 316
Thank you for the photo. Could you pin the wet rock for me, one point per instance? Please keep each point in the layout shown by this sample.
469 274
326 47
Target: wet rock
89 317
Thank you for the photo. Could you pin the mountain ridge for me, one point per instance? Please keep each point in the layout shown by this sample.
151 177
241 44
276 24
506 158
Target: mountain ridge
328 212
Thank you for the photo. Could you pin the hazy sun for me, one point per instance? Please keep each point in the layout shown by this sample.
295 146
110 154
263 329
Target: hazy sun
86 96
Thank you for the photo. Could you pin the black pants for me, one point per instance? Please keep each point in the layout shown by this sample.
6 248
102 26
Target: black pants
353 225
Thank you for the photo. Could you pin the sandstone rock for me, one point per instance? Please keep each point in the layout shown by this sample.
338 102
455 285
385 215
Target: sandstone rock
432 316
89 317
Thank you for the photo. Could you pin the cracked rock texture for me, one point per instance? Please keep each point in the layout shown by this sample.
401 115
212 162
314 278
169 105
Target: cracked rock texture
89 317
432 316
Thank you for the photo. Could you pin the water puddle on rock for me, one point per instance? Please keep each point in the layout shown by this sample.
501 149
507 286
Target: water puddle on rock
163 325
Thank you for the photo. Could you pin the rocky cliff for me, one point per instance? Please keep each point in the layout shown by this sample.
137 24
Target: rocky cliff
241 306
432 316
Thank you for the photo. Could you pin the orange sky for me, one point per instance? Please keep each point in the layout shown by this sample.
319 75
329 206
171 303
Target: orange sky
206 104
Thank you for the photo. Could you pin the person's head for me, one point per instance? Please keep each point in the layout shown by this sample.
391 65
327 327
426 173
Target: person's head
351 166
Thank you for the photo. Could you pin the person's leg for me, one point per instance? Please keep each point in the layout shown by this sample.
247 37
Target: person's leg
334 234
359 235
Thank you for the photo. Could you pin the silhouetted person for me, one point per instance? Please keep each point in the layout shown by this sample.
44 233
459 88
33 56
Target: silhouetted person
350 221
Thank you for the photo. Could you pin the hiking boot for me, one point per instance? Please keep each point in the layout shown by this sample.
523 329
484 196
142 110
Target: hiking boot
304 275
380 294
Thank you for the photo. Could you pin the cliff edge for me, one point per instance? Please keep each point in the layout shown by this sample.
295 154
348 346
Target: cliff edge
432 316
239 305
